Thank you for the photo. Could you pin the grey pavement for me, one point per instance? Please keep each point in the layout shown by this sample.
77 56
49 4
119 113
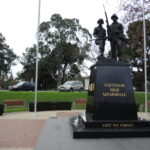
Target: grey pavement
56 135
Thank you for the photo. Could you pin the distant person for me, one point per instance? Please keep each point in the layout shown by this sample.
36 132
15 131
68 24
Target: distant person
116 36
100 35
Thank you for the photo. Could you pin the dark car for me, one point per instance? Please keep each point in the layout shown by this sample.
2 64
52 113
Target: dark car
23 86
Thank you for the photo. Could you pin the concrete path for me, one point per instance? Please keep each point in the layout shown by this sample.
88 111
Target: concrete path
56 135
144 116
39 115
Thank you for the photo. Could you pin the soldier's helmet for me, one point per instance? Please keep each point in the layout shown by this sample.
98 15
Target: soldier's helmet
100 21
114 16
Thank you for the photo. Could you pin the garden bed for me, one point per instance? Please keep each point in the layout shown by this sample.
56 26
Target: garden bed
45 106
1 109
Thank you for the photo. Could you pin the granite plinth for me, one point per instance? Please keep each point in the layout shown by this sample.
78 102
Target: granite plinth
111 110
82 128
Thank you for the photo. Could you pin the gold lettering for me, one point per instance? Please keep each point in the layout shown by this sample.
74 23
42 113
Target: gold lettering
106 125
122 85
104 94
126 125
117 125
91 87
114 89
115 85
114 94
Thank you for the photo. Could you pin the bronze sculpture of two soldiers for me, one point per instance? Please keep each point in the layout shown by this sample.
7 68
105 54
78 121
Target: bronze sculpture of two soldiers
114 34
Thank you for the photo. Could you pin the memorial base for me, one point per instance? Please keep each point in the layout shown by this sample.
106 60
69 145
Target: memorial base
111 109
83 126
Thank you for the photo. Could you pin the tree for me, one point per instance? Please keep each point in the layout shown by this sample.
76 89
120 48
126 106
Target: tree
62 58
67 42
62 46
7 57
133 18
135 34
28 73
132 10
28 61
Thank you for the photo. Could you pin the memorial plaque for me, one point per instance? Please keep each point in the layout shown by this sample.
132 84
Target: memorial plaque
111 95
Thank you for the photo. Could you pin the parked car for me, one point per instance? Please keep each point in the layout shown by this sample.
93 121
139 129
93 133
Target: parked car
71 86
23 86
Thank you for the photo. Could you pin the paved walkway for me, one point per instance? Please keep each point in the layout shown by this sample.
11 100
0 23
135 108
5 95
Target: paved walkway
40 115
20 131
56 135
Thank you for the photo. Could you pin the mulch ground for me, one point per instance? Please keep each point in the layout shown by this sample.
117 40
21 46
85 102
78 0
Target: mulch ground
19 133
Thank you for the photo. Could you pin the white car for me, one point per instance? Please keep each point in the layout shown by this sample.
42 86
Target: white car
71 86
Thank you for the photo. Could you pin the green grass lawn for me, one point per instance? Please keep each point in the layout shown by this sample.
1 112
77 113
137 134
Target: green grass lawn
140 97
53 96
17 109
42 96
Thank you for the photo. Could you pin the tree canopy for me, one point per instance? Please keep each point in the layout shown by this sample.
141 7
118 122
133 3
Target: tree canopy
132 10
7 57
63 45
133 17
135 34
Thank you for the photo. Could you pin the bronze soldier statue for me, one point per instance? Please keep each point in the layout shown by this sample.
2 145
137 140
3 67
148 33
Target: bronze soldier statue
100 35
116 37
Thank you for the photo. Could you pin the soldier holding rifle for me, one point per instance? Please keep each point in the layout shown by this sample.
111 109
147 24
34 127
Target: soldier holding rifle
100 35
116 37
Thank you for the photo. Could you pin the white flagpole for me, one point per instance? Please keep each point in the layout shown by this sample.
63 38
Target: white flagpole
145 57
37 52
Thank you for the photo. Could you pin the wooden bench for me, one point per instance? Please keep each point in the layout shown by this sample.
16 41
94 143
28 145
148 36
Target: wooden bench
80 102
142 106
148 105
13 103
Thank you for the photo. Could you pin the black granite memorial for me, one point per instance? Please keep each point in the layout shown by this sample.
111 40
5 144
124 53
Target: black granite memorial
111 109
1 109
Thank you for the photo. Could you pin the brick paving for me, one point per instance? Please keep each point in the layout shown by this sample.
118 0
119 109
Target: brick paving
16 148
19 133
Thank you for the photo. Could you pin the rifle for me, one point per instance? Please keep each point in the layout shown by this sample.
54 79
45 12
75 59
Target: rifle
108 26
99 39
